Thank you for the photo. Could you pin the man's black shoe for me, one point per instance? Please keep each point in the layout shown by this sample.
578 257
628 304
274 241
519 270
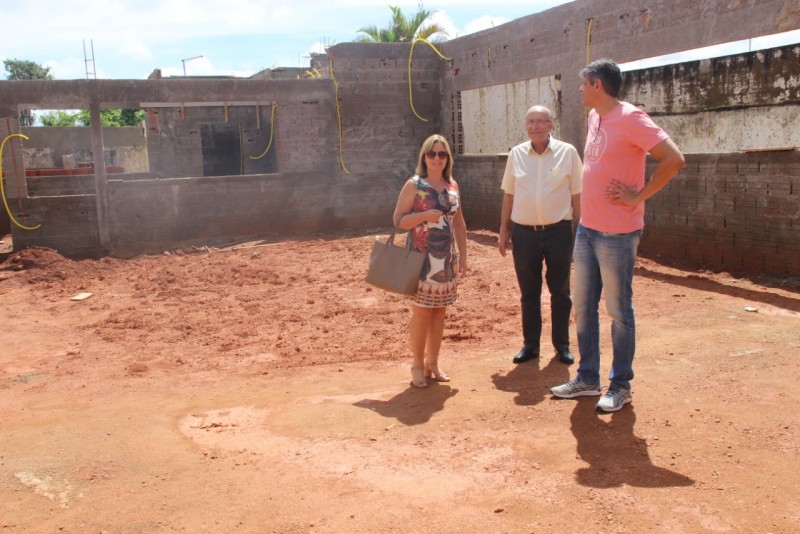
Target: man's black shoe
565 356
526 354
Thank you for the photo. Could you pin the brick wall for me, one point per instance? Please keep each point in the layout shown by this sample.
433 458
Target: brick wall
739 212
306 189
68 223
156 215
558 41
479 179
381 136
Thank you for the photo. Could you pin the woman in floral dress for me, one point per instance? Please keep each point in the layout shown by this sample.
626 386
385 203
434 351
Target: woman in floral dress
429 207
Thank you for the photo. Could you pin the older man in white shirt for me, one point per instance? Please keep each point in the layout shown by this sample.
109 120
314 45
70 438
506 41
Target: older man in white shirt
541 205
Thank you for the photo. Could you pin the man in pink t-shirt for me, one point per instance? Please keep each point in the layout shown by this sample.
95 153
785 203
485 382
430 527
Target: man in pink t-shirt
612 217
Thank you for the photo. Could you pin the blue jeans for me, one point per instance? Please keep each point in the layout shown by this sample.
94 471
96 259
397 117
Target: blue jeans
605 260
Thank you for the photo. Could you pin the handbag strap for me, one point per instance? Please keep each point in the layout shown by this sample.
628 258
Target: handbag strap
390 241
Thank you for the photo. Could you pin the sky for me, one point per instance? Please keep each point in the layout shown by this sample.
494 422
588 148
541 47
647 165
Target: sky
128 39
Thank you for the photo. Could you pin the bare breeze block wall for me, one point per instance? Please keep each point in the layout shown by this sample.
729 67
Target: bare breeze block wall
177 206
381 137
739 212
625 32
151 215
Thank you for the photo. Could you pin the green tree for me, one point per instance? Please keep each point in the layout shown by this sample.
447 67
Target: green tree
58 118
131 117
108 117
112 117
403 28
18 69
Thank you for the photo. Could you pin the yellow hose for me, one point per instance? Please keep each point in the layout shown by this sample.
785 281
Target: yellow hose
2 188
271 130
410 53
338 113
588 59
589 41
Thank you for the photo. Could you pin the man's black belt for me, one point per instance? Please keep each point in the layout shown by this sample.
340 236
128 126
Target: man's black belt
540 227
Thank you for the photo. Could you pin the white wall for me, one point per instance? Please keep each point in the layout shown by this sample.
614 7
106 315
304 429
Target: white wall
493 117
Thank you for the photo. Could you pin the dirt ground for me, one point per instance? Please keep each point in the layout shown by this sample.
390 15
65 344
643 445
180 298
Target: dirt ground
264 387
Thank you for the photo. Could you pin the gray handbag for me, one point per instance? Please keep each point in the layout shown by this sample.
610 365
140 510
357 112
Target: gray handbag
394 268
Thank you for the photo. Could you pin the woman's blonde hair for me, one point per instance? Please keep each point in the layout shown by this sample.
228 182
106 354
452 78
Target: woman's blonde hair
427 146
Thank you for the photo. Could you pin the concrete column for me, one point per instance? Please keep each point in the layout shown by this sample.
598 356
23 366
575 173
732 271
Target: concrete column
100 179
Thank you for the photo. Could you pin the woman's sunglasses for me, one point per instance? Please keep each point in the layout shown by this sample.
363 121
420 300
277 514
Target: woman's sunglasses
442 154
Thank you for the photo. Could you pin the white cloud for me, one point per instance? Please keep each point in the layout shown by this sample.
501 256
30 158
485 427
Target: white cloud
317 48
202 66
484 23
135 49
443 19
66 68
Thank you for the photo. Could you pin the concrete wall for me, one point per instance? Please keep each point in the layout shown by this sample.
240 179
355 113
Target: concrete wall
479 180
381 136
560 40
343 149
727 104
731 211
68 224
141 214
222 138
738 212
304 184
124 147
162 214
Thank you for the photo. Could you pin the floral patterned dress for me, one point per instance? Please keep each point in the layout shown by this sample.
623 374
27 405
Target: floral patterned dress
438 281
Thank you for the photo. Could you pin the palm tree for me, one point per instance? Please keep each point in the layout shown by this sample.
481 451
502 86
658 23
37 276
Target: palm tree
402 28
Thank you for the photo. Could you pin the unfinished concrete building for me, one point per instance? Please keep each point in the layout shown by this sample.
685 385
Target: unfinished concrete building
220 160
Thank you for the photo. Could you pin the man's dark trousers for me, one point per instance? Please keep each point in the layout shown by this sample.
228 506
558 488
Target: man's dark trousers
553 245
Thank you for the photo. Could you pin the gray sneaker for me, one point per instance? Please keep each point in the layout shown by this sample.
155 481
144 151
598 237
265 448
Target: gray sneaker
576 388
614 399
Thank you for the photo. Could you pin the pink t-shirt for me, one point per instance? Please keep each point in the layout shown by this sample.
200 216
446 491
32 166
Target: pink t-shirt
616 147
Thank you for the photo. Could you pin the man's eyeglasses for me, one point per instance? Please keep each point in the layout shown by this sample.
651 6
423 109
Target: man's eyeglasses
540 122
432 154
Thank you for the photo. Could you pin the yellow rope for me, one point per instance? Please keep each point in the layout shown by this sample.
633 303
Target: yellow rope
2 189
588 59
338 113
589 41
410 53
271 130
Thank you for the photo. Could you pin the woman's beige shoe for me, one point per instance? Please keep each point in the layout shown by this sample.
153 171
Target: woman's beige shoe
436 374
418 378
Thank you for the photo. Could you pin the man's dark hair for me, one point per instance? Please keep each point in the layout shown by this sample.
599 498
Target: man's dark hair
607 71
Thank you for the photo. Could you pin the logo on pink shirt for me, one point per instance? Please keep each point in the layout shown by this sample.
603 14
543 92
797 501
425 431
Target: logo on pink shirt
595 146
